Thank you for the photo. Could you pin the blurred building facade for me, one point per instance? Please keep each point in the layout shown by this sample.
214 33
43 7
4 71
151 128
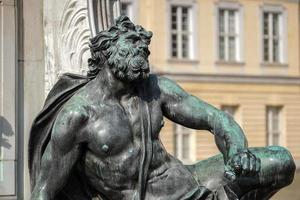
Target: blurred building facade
242 56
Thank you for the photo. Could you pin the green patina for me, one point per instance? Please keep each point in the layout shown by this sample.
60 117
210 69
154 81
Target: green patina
104 141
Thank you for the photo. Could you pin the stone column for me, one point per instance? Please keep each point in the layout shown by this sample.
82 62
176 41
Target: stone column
31 80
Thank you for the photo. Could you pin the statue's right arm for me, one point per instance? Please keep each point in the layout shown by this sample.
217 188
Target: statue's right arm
60 156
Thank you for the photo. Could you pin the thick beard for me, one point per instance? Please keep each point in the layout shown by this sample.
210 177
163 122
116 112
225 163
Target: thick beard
130 69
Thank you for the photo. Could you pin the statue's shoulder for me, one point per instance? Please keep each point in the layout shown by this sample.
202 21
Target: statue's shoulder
161 82
152 83
156 80
75 109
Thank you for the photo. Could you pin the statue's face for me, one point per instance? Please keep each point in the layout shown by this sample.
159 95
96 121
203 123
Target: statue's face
129 58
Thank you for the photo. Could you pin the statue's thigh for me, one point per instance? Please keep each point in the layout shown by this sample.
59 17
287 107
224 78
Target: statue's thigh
277 166
277 171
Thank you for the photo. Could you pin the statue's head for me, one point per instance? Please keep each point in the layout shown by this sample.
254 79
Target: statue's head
124 49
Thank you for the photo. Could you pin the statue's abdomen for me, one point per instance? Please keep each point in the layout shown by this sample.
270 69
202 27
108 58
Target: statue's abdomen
113 175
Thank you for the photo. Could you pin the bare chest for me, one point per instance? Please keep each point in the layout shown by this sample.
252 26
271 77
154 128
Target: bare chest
118 129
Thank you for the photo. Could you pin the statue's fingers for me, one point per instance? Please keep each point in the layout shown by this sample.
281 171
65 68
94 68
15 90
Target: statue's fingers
229 171
245 165
237 164
258 165
230 175
252 164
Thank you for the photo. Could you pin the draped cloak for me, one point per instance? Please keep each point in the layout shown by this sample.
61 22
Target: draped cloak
40 132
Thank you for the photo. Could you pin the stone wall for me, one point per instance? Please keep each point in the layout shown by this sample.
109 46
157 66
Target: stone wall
31 79
8 134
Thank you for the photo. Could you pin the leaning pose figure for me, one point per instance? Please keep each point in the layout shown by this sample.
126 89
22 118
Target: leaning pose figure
97 137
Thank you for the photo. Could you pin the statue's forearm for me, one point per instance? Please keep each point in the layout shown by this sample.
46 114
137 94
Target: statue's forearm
229 136
193 112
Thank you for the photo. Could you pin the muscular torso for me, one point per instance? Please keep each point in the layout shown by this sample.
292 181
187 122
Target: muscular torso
113 150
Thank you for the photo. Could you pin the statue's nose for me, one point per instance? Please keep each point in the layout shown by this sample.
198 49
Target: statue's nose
143 47
149 34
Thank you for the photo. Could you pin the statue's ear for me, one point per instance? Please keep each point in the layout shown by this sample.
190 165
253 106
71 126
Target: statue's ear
96 63
98 58
105 43
101 58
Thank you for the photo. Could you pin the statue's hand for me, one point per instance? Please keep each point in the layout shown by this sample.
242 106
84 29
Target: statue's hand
243 163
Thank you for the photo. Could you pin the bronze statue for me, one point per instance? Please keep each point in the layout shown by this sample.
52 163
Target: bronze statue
98 136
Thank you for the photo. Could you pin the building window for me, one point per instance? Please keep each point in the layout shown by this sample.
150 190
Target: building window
184 144
272 39
274 127
128 9
181 32
231 110
229 32
274 50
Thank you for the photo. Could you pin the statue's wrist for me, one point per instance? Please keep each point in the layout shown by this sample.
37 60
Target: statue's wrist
235 149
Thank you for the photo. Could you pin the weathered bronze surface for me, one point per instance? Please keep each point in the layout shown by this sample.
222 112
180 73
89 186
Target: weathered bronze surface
97 137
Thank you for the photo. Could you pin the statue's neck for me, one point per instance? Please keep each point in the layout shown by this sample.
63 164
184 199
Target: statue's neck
106 83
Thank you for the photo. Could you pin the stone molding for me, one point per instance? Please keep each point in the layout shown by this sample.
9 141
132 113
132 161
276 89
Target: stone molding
226 78
68 26
67 34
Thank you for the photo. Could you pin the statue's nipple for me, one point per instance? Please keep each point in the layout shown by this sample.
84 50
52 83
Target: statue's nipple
105 148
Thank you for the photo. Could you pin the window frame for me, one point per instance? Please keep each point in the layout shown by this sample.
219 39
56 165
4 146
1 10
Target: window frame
193 49
266 8
238 8
270 133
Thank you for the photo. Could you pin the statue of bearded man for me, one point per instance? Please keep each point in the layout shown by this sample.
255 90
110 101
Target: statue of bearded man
98 136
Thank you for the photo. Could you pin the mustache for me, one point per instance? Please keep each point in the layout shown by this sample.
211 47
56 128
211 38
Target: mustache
135 63
133 68
138 63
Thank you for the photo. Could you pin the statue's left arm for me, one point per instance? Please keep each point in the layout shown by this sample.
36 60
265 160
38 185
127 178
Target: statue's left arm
192 112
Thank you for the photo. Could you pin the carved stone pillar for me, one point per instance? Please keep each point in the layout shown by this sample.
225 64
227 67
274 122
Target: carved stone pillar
102 14
68 25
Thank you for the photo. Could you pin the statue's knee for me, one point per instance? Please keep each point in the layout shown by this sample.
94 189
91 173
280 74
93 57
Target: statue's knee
280 165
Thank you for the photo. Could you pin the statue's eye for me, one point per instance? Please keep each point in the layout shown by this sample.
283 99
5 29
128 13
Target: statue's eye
133 37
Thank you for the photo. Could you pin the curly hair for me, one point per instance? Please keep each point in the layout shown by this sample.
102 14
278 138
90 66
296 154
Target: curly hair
103 44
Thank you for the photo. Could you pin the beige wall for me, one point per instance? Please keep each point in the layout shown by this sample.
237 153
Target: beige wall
253 98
